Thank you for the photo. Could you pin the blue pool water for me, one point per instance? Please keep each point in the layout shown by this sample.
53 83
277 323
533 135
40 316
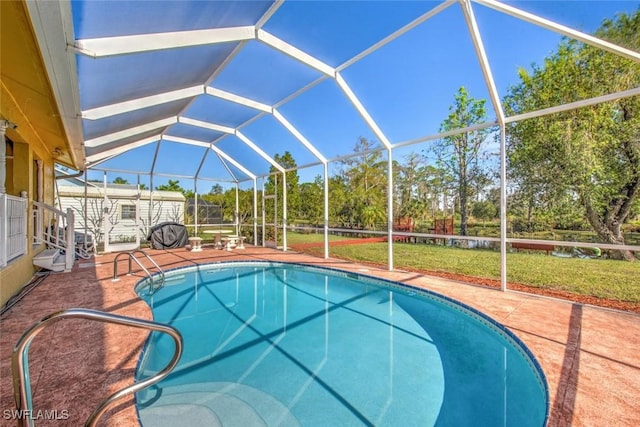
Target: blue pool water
291 345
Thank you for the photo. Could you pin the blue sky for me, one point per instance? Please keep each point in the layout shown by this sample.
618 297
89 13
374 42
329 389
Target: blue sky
407 86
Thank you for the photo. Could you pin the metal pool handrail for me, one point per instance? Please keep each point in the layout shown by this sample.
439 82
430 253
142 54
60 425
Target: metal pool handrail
20 359
131 255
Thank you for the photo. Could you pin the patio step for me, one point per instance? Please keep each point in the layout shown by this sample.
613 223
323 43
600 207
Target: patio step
50 259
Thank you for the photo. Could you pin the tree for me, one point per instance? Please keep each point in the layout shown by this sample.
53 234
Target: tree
120 180
171 186
460 156
366 179
313 195
591 154
174 185
274 186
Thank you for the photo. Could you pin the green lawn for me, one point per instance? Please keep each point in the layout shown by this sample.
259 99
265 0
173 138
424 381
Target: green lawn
619 280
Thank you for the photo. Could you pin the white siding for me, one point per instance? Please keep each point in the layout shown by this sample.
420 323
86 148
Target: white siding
161 206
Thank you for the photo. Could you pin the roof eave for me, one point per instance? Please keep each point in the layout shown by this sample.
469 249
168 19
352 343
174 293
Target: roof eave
52 26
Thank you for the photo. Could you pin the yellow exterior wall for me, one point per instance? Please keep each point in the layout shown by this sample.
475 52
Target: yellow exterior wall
20 271
26 99
14 277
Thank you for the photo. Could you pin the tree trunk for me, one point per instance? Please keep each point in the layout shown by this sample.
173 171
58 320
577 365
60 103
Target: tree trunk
463 211
610 232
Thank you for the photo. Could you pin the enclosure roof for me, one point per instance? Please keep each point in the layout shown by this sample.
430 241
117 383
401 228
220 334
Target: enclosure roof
215 89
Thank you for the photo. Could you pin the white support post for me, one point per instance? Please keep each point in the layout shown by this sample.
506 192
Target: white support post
284 211
106 223
195 207
326 211
85 215
149 211
503 207
137 220
472 25
390 208
255 211
40 181
70 254
236 212
3 229
4 124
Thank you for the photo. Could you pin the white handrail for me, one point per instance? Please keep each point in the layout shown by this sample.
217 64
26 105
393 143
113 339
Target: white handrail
20 359
56 228
131 256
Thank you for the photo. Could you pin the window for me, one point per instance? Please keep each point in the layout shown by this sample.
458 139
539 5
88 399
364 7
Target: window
128 212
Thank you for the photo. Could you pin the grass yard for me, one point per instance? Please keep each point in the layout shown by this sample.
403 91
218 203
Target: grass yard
617 280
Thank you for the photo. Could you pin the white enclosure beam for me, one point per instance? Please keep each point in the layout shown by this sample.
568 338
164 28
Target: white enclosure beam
231 160
362 111
573 105
295 53
204 158
258 150
301 91
472 25
119 150
476 38
218 93
206 125
439 8
440 135
120 45
564 30
153 162
188 141
299 136
228 169
105 139
269 13
91 165
140 103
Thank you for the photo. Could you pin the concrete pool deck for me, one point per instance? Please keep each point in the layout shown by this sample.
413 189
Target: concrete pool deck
590 355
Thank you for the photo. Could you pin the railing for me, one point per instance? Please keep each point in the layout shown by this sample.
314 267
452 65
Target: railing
132 256
13 228
20 359
56 228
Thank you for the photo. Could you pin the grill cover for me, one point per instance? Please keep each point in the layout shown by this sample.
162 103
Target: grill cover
168 235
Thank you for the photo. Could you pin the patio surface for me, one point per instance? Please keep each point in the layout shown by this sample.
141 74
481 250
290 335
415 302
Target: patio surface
590 355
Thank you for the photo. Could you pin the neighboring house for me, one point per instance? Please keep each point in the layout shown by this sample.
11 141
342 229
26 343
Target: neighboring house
121 211
33 137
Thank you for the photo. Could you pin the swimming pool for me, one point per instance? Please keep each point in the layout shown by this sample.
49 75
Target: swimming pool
292 345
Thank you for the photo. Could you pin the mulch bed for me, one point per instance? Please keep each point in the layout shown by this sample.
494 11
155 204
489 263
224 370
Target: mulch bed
490 283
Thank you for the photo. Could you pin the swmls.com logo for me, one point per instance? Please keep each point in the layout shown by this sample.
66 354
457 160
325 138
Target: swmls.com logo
40 414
